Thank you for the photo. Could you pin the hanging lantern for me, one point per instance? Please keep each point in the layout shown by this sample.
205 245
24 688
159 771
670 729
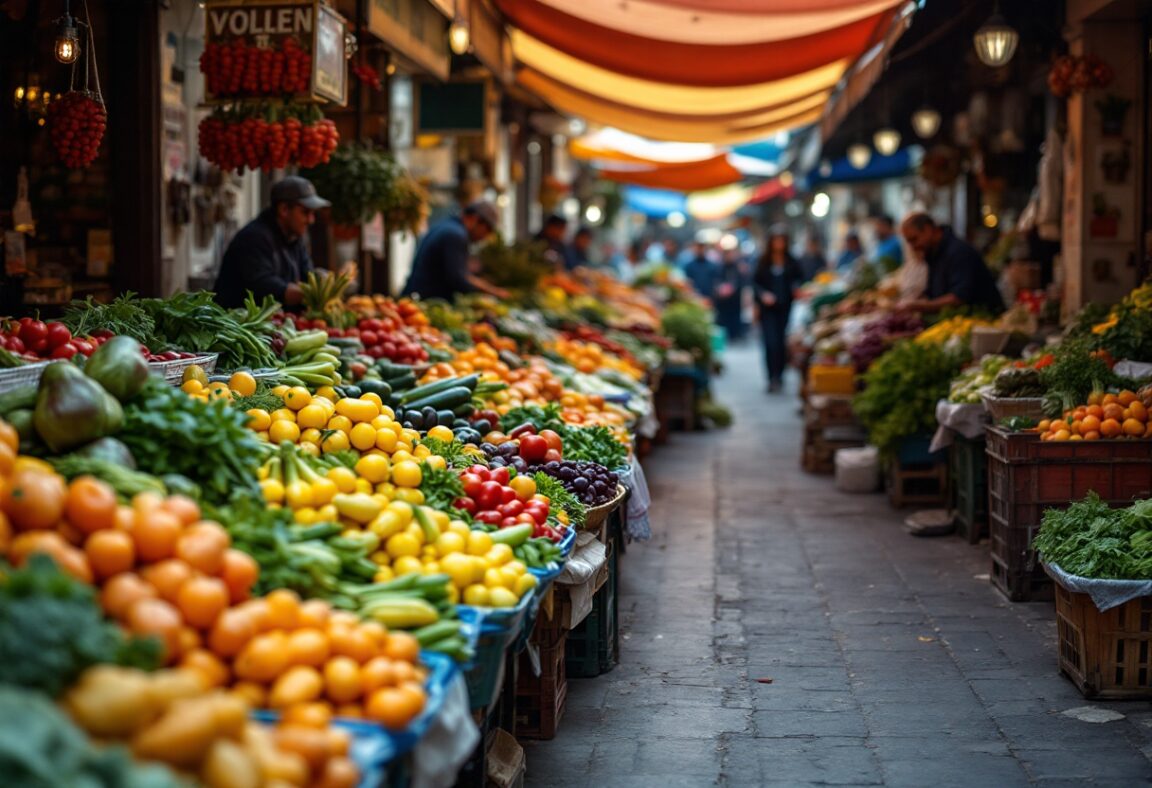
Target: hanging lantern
887 141
996 40
459 37
859 155
67 45
926 122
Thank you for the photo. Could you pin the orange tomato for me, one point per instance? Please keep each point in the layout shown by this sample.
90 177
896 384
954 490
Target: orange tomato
156 617
402 646
33 499
375 674
7 458
208 665
156 533
202 546
91 504
352 642
393 707
110 552
314 614
257 611
240 572
342 681
1110 428
308 647
298 684
74 562
264 658
186 510
338 773
283 608
168 577
310 715
201 600
375 630
123 591
231 632
8 436
48 542
307 742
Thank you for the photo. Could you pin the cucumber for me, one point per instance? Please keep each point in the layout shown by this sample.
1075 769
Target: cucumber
467 409
23 397
430 389
380 387
438 631
447 399
391 371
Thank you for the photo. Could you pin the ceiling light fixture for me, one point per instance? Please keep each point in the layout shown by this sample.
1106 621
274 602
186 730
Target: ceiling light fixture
859 155
67 46
887 141
996 40
925 122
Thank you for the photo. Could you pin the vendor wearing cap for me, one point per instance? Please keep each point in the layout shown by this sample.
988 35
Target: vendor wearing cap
440 268
957 275
268 256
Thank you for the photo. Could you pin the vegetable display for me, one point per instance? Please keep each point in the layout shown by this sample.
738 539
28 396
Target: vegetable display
76 126
1090 539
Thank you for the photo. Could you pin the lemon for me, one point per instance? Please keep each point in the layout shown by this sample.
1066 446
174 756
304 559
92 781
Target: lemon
401 545
341 423
418 534
374 398
373 467
283 414
476 595
358 409
192 387
422 452
345 479
387 411
406 565
502 597
460 527
441 433
363 437
306 515
280 391
312 416
364 486
297 397
327 514
258 420
402 454
428 551
431 567
263 435
403 512
385 440
385 525
458 567
328 393
509 576
384 575
493 579
219 391
479 543
449 543
283 430
323 491
312 435
516 566
437 462
242 383
387 489
381 422
525 583
453 595
310 448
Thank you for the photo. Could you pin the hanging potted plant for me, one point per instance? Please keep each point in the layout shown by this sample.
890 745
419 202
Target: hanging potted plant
358 181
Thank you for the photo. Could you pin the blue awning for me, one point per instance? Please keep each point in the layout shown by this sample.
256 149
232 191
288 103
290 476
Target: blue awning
902 162
655 202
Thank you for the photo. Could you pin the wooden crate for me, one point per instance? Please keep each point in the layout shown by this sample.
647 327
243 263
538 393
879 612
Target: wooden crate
1106 655
968 487
918 484
1027 475
821 444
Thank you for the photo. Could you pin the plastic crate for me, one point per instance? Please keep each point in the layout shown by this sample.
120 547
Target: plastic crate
914 451
1027 475
831 379
968 477
494 631
592 646
540 699
1106 655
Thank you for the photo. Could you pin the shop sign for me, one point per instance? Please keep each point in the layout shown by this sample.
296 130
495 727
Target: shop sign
315 26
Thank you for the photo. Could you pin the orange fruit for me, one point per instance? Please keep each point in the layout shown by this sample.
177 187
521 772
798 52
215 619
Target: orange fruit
203 546
207 664
393 707
1108 399
264 658
308 742
1114 411
314 613
339 773
240 572
1090 423
402 646
375 674
1110 428
310 715
156 617
298 684
186 510
1092 436
33 499
308 647
110 552
231 632
1061 435
342 681
8 436
156 533
253 693
122 592
1133 427
283 608
91 504
201 601
352 642
1138 411
167 577
1126 397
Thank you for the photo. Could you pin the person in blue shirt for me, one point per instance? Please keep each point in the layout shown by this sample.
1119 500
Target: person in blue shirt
440 268
576 253
552 235
702 272
889 254
957 275
852 252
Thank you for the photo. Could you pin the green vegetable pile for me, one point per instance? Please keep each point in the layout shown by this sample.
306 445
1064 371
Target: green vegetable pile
517 266
901 389
689 325
440 487
1074 374
1090 539
52 629
593 444
560 498
966 388
41 748
169 432
453 452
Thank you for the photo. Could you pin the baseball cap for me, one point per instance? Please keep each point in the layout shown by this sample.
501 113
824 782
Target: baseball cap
295 189
486 211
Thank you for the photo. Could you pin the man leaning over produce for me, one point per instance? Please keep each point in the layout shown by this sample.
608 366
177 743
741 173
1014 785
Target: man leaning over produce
957 275
268 256
441 266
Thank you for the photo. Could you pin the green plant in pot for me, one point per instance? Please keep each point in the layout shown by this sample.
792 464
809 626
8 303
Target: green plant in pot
358 180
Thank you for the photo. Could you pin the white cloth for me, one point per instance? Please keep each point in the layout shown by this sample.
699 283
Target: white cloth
450 741
1106 594
580 572
953 417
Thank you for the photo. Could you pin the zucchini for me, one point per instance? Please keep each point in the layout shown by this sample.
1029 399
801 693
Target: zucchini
465 410
392 371
447 399
429 389
379 387
23 397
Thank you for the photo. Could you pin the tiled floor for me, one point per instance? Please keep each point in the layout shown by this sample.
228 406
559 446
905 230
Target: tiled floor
778 632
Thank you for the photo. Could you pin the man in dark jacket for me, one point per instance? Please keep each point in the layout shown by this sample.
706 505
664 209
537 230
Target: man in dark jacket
268 256
440 268
957 275
552 233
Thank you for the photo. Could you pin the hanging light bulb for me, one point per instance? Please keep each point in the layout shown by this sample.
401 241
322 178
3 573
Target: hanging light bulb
926 122
67 46
996 40
887 141
459 37
859 155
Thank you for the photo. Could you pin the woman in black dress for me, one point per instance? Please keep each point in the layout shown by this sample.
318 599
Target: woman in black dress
777 277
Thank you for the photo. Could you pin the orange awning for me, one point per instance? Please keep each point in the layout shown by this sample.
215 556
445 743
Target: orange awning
690 177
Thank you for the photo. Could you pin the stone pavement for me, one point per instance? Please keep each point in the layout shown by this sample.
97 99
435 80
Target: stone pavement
778 632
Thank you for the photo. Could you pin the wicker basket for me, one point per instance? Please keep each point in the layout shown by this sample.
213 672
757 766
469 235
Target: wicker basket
596 515
19 377
173 371
1005 407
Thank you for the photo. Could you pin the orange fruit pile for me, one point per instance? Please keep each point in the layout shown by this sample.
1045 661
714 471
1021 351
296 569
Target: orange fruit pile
1104 417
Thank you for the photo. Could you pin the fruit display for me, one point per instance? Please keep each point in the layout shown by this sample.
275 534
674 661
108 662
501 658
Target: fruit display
967 388
258 143
237 69
1122 415
76 124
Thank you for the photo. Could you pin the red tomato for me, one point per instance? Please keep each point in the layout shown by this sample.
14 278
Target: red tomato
491 495
511 509
65 351
533 448
57 334
16 344
508 495
552 456
489 517
466 504
553 438
368 338
472 483
500 475
538 512
33 332
509 522
83 346
481 471
525 519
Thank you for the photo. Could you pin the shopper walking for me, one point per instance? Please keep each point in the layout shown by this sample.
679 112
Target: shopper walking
728 301
701 271
777 277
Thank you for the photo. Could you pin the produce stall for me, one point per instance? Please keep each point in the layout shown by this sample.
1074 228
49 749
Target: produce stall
329 548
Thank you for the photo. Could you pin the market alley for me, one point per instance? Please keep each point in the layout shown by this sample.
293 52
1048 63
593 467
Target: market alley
776 631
